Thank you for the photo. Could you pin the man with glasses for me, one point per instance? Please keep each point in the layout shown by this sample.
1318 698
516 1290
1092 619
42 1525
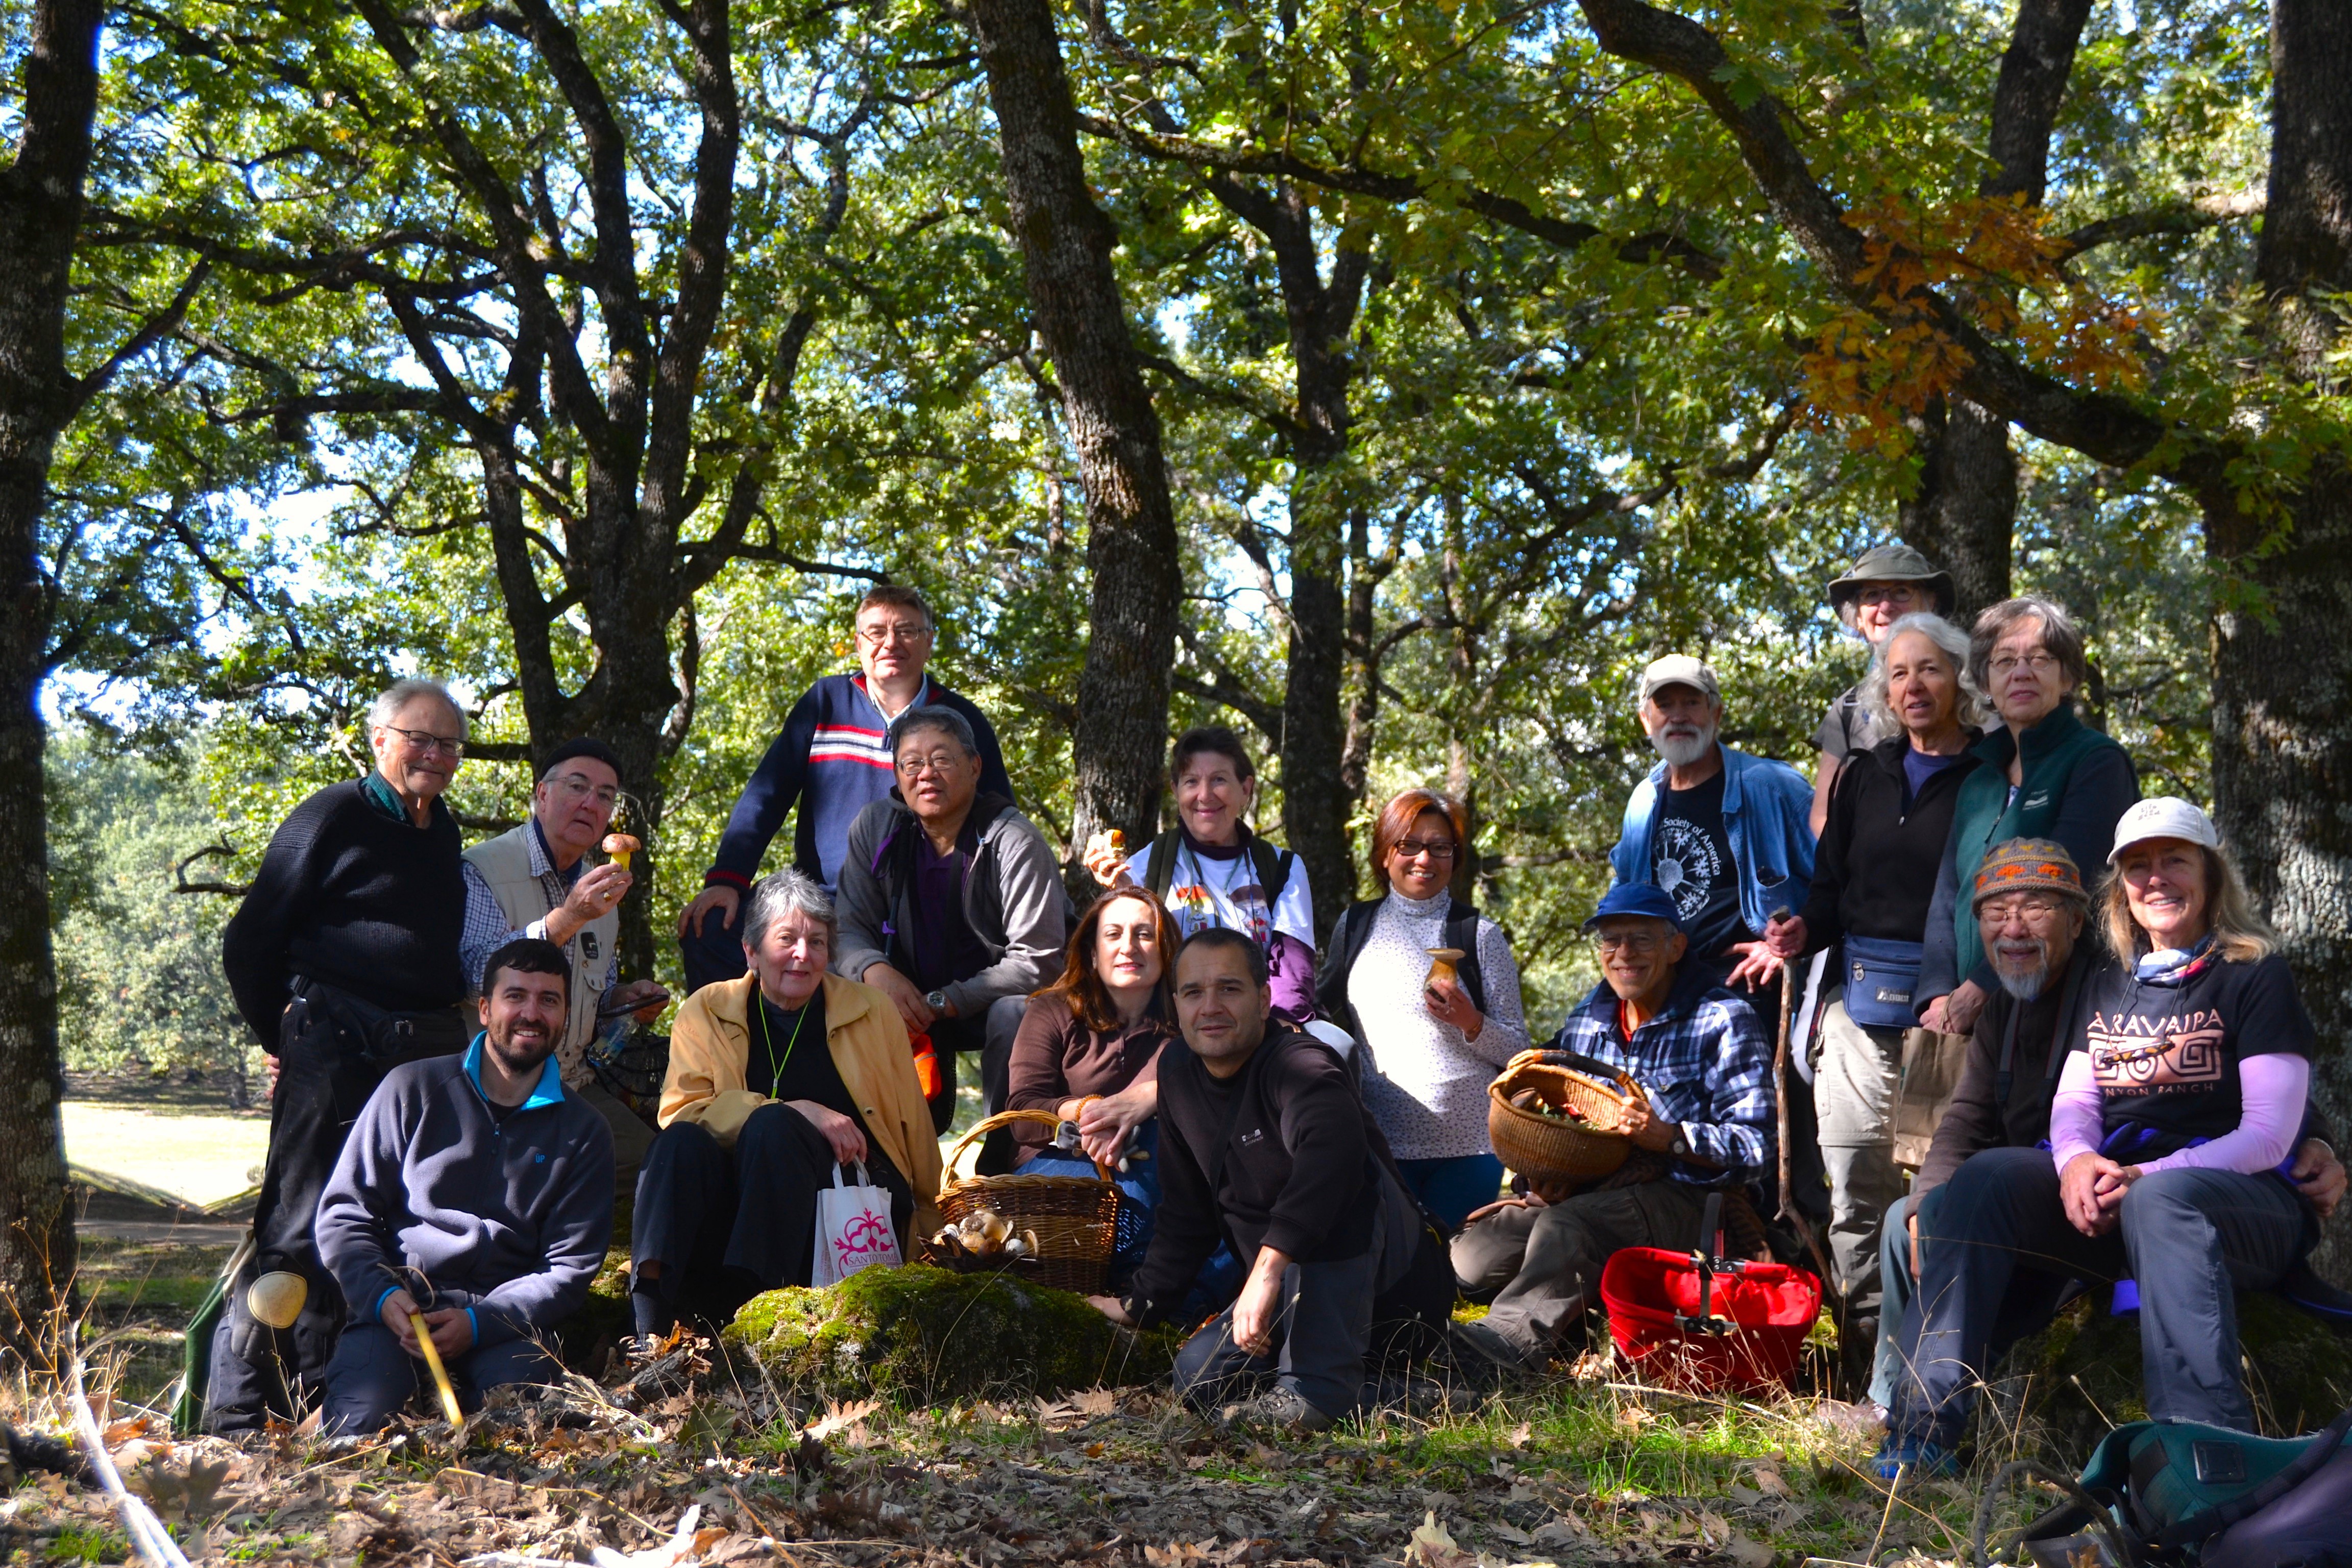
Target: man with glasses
536 881
343 961
1701 1057
831 760
952 905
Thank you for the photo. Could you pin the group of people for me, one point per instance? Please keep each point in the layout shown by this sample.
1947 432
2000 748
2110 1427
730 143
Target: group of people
2046 1042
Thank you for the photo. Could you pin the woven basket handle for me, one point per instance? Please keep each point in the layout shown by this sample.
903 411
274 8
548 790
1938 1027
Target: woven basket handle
1540 1057
1006 1119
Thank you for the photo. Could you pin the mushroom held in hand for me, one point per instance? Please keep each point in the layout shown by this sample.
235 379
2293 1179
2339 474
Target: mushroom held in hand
620 846
1442 960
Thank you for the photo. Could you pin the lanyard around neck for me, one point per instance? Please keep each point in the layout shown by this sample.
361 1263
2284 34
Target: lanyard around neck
776 1069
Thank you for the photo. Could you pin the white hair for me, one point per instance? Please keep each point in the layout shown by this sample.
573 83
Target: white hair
401 693
791 891
1970 709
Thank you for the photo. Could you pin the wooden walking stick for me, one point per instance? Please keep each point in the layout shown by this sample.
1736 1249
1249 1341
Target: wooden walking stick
440 1374
1788 1209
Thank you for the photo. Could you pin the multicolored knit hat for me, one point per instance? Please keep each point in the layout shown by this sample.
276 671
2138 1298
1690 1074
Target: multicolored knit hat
2028 865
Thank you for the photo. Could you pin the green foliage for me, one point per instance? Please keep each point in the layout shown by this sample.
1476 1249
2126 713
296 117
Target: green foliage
923 1335
139 975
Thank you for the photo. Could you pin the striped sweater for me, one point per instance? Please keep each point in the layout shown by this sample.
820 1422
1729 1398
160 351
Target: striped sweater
833 762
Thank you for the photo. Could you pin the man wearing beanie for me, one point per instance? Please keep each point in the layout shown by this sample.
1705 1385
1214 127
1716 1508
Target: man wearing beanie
537 881
2032 911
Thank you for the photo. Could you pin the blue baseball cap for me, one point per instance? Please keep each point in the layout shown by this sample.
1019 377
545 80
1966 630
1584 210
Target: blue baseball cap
1644 899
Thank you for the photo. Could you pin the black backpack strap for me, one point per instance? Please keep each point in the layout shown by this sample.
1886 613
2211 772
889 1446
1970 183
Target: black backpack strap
1349 932
2221 1516
1273 869
1462 935
1160 875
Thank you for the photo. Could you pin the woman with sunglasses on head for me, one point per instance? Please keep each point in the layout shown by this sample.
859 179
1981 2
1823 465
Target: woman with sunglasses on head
1211 869
1433 1040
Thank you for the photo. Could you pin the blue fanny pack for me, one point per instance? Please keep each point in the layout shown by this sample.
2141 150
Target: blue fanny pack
1880 978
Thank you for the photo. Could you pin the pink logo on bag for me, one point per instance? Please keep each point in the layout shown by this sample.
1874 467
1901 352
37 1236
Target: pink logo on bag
864 1239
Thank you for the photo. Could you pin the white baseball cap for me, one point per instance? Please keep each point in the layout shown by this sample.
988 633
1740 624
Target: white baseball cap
2164 816
1680 669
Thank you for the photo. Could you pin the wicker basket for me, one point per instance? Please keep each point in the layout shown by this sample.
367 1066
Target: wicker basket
1538 1146
1076 1217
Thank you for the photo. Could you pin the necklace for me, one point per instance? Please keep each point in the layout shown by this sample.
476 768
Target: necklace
776 1069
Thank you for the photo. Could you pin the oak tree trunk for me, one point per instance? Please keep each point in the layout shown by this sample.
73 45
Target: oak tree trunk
2283 667
40 210
1963 513
1122 734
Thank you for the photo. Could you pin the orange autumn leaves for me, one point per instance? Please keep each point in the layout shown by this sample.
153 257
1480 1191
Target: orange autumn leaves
1994 261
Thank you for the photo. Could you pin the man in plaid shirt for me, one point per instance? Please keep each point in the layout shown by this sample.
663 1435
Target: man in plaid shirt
1701 1053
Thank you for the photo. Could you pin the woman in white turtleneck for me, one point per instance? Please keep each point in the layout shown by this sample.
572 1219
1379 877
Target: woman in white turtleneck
1431 1046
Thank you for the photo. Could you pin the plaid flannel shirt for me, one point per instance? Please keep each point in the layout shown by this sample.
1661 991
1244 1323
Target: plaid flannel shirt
485 928
1706 1065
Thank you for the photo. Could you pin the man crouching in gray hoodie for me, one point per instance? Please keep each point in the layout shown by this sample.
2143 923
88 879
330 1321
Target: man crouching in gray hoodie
472 1189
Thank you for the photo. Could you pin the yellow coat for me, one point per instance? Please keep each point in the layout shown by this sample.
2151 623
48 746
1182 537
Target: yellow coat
711 1040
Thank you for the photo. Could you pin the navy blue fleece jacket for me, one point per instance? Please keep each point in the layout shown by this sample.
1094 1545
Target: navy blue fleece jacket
834 761
507 1220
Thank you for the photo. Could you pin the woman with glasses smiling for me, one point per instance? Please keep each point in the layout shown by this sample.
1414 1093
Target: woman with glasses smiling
1435 1042
2050 776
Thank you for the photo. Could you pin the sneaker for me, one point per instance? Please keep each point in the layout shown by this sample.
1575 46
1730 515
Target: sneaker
1279 1411
1917 1457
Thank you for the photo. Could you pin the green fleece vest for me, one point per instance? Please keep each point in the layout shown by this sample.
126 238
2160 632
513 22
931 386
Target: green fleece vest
1985 814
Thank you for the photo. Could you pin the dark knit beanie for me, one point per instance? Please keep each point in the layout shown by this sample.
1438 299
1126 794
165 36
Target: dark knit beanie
585 746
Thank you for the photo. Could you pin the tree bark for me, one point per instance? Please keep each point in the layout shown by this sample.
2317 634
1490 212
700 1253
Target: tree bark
40 212
2283 669
1964 512
1121 735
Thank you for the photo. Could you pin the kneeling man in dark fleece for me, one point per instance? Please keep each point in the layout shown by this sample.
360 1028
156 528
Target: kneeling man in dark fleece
475 1189
1701 1053
1265 1143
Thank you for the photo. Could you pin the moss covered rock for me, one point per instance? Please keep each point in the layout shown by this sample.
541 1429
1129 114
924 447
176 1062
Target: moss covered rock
2084 1371
919 1333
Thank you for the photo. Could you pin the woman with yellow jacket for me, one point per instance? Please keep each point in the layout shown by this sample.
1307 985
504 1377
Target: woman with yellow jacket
776 1079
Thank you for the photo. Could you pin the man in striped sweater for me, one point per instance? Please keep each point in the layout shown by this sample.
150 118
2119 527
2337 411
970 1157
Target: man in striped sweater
832 759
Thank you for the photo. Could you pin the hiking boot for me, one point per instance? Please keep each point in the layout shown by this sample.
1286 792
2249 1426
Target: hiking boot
1917 1457
1485 1357
1279 1410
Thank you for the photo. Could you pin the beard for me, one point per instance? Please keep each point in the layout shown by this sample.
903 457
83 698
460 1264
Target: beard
521 1057
2023 979
1681 746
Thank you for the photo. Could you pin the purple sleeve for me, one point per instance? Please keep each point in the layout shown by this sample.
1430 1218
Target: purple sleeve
1292 977
2077 1124
2274 1086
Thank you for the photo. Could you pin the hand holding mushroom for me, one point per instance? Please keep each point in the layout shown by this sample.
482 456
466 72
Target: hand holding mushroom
1444 995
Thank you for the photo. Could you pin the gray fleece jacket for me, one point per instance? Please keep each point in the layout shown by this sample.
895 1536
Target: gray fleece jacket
1013 897
508 1219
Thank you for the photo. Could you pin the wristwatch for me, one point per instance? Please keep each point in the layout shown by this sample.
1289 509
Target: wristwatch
937 1001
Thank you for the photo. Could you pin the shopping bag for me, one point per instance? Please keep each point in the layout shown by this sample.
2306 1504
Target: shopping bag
853 1230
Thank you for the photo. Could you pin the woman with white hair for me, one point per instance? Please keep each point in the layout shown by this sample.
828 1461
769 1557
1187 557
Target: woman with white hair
1890 813
775 1079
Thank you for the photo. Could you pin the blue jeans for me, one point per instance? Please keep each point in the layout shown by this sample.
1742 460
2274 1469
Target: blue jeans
1997 1257
371 1378
1452 1190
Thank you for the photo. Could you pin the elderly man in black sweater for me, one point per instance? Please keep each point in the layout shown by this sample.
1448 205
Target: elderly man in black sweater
1265 1143
474 1193
343 960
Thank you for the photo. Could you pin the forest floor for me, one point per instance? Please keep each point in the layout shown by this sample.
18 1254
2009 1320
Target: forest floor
1577 1470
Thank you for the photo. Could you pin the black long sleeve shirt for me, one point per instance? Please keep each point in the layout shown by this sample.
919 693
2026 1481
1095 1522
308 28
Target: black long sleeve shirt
356 895
1300 1165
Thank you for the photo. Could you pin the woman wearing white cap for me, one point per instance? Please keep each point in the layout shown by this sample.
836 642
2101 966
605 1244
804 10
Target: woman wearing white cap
2170 1133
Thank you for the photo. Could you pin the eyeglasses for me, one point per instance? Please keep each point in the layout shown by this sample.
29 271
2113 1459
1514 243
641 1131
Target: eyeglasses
938 763
570 787
896 632
2040 661
1887 593
1639 943
426 743
1414 848
2033 911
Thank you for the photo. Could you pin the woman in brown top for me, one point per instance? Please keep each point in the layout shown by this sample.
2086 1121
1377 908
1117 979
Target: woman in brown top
1088 1051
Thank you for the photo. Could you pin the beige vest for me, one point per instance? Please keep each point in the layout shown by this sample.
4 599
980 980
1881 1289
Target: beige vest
505 864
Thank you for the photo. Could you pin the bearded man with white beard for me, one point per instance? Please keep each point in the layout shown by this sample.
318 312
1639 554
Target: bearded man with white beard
475 1195
2031 907
1727 836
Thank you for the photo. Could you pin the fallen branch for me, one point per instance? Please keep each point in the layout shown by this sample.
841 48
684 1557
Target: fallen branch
147 1534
